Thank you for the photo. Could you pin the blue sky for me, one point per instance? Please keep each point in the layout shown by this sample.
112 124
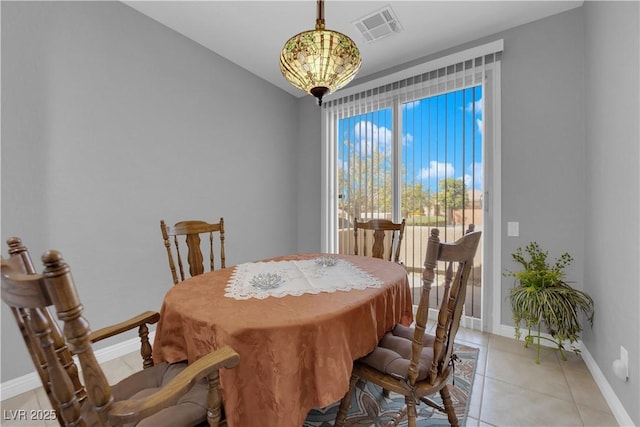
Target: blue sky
441 137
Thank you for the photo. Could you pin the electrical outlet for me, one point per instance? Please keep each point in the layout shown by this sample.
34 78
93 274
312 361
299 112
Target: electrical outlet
624 356
621 366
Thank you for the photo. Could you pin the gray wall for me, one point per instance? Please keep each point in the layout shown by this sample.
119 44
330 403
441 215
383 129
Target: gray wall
612 234
309 175
98 100
543 143
110 122
543 138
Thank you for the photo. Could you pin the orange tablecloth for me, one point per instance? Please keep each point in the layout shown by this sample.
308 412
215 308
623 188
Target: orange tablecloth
296 352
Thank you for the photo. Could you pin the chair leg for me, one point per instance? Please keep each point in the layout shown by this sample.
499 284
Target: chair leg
345 403
448 405
411 411
214 400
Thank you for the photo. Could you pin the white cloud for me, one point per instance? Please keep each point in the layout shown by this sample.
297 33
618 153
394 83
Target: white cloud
437 170
407 139
478 105
370 135
479 112
476 171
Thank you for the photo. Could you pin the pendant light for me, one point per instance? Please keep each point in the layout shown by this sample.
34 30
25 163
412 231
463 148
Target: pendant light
319 61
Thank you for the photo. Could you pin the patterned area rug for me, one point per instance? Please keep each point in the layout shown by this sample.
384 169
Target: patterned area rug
370 408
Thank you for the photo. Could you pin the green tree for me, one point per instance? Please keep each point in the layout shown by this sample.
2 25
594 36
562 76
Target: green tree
452 194
365 185
416 200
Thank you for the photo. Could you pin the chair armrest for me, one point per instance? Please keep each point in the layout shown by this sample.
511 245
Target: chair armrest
146 318
132 411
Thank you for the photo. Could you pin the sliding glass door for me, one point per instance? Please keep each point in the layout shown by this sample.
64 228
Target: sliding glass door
422 144
421 160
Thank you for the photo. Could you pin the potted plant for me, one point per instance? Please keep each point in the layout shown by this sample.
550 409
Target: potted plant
541 295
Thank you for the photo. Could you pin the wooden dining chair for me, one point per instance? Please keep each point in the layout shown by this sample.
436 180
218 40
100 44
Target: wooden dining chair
374 233
20 261
159 395
191 232
414 364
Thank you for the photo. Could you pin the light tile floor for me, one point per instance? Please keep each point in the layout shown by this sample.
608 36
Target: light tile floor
509 389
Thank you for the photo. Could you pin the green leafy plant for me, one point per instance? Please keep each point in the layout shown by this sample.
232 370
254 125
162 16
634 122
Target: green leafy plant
542 296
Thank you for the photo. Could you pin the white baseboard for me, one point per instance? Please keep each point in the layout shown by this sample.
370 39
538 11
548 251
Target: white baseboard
31 381
618 411
622 416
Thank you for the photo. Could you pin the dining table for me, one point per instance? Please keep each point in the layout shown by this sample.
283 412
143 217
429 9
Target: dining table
298 322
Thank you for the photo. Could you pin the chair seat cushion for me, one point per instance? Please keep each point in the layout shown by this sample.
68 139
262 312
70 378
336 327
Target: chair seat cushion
190 409
393 354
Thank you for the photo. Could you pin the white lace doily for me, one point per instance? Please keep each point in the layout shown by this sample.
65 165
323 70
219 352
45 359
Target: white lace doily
298 277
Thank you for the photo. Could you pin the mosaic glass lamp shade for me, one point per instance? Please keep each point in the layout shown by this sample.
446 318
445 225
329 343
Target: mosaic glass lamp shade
319 61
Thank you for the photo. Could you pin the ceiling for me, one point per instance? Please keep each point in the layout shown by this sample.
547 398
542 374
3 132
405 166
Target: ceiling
252 33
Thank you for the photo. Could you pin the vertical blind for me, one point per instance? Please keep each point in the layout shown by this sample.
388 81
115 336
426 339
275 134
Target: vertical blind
466 73
382 172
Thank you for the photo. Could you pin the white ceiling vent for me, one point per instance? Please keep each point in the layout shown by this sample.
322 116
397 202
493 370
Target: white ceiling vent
379 24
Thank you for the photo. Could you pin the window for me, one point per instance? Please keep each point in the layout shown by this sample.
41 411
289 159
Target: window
413 149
